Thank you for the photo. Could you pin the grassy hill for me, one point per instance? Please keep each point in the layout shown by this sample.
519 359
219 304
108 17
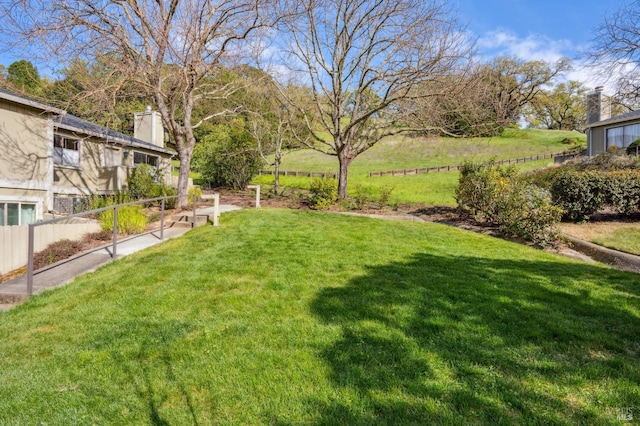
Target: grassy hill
416 152
293 317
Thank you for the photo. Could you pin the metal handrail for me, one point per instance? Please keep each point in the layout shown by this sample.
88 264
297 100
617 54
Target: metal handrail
115 207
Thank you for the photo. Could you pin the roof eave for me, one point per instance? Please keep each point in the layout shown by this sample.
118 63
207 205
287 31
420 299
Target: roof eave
33 104
115 139
613 120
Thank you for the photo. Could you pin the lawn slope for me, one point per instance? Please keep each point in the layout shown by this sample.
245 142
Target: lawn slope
291 317
399 152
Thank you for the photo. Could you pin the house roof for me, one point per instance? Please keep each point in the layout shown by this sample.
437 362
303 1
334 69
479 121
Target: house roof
72 123
12 97
76 124
633 115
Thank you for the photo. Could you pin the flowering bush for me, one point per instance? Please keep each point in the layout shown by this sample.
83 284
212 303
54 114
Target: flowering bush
495 195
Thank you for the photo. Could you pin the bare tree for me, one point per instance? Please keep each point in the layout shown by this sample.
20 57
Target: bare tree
171 51
363 57
277 127
461 105
616 53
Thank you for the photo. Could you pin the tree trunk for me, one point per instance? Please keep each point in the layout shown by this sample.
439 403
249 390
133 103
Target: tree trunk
276 180
183 180
344 171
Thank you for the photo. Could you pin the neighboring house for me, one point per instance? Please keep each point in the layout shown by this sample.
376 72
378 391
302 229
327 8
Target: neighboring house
604 131
50 159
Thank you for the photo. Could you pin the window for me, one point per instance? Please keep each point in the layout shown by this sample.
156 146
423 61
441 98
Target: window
17 213
66 152
623 136
142 158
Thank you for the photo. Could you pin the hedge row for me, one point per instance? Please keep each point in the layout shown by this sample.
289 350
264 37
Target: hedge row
581 194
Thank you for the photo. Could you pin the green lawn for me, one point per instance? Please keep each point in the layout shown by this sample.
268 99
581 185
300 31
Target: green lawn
292 317
623 236
401 152
398 153
622 239
429 188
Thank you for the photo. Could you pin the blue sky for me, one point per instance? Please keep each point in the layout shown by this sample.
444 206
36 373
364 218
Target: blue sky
528 29
537 29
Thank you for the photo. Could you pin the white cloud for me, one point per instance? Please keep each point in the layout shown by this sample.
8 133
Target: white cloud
533 47
538 47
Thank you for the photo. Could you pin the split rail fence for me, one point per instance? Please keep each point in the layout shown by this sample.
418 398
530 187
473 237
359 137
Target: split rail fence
422 170
404 172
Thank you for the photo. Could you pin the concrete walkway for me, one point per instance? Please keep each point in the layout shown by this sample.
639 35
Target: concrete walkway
65 271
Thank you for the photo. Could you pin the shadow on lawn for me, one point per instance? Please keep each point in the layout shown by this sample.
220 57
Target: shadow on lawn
458 340
148 365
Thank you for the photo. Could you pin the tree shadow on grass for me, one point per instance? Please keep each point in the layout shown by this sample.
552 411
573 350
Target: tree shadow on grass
144 354
444 340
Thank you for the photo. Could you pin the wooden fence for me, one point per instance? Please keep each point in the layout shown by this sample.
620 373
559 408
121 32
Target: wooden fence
404 172
14 240
296 173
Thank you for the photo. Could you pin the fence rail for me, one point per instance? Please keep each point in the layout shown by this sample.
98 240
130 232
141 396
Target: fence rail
422 170
298 173
114 242
405 172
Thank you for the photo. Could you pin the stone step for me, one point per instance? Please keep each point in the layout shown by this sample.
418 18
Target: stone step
186 220
11 299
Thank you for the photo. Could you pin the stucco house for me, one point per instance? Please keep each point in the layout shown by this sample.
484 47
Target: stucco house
50 159
604 131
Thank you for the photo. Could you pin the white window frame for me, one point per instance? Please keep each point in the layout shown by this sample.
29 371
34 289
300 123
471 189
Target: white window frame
10 200
146 159
69 153
625 138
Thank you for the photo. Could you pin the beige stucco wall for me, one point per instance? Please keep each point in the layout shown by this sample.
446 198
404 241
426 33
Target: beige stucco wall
148 127
22 193
83 179
93 177
24 133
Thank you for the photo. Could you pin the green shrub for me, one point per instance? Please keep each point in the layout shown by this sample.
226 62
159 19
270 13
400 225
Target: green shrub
634 148
495 195
479 188
227 157
324 192
131 220
527 211
385 195
168 191
194 193
623 191
100 201
579 194
361 196
143 182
